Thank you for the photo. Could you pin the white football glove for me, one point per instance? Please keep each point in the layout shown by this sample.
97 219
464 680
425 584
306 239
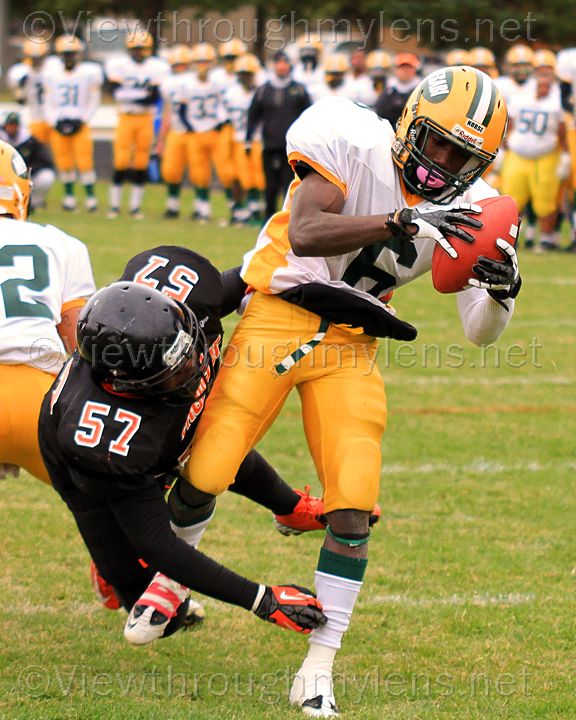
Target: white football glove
564 166
436 224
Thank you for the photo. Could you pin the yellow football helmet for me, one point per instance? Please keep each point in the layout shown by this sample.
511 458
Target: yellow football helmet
458 57
336 63
247 63
14 183
203 52
68 44
179 55
35 49
378 62
463 105
481 57
308 42
232 48
140 39
519 54
545 58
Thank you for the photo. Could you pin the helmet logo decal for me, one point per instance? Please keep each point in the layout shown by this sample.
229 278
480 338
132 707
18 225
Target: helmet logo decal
177 349
465 136
436 87
482 106
475 126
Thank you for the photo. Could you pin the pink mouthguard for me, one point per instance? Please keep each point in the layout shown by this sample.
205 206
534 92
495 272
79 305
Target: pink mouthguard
429 178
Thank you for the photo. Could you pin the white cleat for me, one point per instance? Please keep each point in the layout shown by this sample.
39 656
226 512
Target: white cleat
154 610
313 691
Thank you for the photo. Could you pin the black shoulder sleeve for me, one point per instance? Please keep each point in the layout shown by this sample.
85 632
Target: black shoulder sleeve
565 92
234 290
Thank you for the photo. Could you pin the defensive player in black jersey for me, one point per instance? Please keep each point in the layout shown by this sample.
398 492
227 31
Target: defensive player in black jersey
116 426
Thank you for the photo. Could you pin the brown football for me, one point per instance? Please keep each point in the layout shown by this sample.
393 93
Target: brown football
500 220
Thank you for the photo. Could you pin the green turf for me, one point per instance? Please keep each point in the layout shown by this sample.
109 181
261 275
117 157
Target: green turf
469 602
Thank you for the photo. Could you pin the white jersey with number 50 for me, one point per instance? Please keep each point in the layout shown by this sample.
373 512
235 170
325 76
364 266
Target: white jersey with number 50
535 124
350 146
41 270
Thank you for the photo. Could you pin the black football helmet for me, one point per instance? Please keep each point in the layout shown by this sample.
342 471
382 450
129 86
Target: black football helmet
139 338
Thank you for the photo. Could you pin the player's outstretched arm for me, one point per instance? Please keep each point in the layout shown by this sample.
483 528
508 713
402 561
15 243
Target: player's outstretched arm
316 227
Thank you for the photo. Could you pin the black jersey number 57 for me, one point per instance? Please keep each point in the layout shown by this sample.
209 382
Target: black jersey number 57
93 427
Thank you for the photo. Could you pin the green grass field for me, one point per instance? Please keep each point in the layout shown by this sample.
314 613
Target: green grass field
469 600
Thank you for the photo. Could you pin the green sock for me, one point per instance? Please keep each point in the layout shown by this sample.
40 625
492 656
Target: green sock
253 195
174 190
89 190
69 188
228 193
332 563
203 193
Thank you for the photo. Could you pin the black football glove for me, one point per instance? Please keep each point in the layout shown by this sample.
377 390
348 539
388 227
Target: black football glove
289 606
69 127
436 224
500 278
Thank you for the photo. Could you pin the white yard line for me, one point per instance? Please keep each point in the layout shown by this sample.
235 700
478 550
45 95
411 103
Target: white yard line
484 600
477 467
547 379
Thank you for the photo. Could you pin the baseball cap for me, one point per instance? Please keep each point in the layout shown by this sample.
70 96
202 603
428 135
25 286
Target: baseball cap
406 59
12 117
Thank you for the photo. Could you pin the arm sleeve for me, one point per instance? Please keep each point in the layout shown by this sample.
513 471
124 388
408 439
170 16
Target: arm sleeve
94 99
565 92
145 520
78 277
483 319
254 113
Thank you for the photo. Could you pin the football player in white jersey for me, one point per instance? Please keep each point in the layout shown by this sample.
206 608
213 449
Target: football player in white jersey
362 218
247 157
209 133
359 83
566 69
519 65
45 279
223 76
72 92
172 144
136 85
537 160
25 81
309 70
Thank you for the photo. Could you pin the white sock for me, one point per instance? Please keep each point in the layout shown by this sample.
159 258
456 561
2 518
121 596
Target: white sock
530 232
115 196
550 238
338 597
136 195
192 534
203 207
173 203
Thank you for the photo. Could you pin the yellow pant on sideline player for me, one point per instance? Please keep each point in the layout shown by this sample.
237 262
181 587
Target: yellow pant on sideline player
41 131
248 167
133 140
22 389
73 152
533 180
344 408
207 149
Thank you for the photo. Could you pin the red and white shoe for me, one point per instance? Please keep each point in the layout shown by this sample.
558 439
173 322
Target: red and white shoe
104 591
309 515
154 610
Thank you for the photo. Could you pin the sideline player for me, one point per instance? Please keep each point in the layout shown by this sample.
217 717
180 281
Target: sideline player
25 81
172 141
537 160
135 85
247 156
45 278
209 134
361 219
117 425
72 96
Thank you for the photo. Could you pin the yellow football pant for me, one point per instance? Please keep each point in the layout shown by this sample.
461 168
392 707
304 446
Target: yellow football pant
571 140
133 140
73 152
207 149
532 180
41 131
22 389
342 395
174 157
248 168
